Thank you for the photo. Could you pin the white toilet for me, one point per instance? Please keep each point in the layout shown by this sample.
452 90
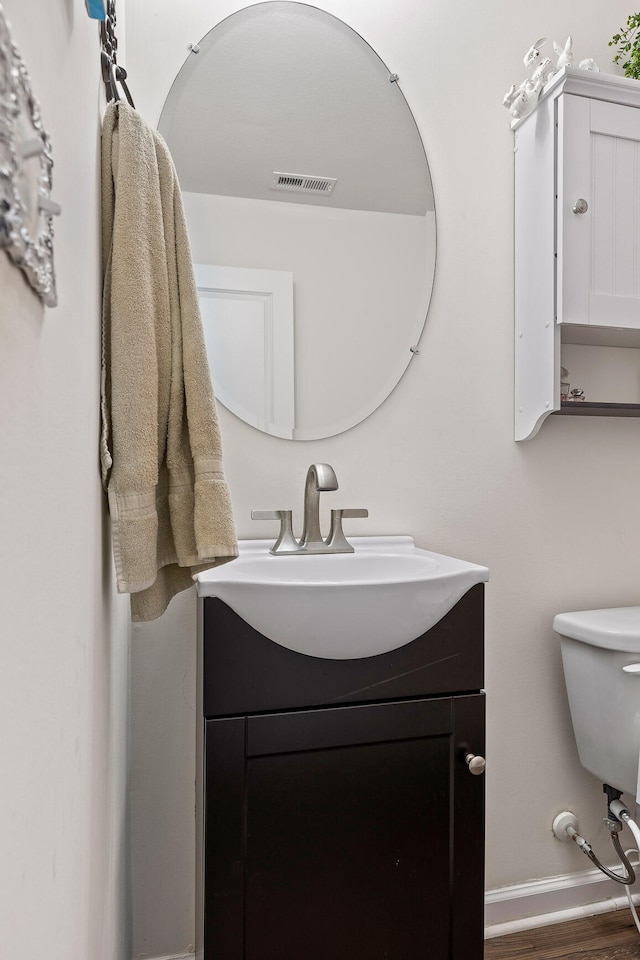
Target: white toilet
601 659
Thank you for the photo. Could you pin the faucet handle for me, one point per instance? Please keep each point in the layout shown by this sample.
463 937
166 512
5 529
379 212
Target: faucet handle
285 542
336 539
268 514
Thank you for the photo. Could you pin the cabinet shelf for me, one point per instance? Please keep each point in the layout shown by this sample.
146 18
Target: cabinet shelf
586 408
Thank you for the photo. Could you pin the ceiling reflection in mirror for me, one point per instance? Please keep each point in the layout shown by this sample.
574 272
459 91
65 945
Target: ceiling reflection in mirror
311 217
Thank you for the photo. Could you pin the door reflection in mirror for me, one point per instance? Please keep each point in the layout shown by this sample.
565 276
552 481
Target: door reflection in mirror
247 317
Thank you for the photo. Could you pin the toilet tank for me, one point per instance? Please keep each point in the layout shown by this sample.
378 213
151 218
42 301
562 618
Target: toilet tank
601 661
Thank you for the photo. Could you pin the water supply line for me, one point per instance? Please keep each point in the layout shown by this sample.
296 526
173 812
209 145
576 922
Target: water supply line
588 850
565 828
619 810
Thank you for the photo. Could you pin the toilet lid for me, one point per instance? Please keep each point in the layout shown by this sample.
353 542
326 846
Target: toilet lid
616 628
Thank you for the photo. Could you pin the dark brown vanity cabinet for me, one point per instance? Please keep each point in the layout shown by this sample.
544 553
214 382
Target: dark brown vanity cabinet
341 821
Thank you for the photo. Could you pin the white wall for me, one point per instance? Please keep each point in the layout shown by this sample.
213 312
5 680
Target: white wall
556 519
63 679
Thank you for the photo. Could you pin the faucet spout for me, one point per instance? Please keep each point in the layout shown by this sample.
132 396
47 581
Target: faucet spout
320 477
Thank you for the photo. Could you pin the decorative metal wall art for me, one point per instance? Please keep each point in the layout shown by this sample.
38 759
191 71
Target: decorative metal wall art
26 208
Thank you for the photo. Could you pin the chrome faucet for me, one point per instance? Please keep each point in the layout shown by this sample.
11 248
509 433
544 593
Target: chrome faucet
320 477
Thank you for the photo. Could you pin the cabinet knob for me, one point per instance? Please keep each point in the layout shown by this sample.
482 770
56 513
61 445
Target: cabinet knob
580 206
476 764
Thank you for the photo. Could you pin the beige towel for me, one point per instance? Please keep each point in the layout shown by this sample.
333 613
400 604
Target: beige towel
160 447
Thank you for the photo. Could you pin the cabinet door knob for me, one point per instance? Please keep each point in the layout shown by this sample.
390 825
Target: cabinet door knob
476 764
580 206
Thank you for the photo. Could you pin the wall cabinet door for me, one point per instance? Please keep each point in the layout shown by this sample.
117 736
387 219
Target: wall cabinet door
598 213
352 833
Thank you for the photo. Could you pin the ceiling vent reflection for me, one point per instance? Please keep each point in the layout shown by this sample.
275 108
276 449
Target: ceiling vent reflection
301 183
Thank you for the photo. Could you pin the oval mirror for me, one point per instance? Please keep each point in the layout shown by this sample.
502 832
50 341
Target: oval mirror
311 217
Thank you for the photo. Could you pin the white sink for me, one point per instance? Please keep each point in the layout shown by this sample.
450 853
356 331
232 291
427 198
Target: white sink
342 606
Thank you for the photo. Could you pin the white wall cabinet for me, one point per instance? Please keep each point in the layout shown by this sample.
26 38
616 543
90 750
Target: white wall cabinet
577 250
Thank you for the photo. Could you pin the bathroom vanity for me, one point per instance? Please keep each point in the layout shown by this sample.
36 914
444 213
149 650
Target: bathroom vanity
340 815
576 275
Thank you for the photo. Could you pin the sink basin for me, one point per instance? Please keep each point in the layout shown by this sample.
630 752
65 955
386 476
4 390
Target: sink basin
342 606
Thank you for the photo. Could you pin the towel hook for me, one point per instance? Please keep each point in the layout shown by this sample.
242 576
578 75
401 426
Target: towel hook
112 73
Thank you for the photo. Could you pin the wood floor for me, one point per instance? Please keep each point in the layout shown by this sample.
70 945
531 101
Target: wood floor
608 936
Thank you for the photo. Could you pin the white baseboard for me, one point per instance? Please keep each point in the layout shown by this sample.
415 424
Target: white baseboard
543 902
538 903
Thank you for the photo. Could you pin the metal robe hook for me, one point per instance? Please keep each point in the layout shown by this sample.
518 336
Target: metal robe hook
112 73
121 77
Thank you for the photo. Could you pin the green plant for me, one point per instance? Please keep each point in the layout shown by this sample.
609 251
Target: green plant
628 44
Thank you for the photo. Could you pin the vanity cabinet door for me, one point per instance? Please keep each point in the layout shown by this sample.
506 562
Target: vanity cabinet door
598 213
333 833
